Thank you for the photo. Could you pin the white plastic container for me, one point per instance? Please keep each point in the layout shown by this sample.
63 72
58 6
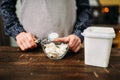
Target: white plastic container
97 45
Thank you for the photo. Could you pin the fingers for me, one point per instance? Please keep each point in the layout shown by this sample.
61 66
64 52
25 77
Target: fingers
73 40
64 40
31 40
74 43
20 41
25 41
77 47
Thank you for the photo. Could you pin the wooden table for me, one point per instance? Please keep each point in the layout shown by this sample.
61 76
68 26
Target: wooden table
17 65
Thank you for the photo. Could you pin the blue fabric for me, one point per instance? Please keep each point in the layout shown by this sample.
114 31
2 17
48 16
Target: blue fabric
13 27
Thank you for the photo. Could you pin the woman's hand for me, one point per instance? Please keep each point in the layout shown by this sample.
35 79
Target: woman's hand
26 41
73 40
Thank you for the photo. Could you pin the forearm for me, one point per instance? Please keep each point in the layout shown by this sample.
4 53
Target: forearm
84 17
12 25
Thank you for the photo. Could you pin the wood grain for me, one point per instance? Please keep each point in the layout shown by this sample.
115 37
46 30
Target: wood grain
34 65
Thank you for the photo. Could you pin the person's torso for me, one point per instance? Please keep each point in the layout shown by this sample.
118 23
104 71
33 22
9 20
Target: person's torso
41 17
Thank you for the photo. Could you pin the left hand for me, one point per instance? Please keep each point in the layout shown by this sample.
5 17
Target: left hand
73 40
26 41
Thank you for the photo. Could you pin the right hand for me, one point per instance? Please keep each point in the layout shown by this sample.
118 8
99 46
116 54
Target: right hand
73 40
26 41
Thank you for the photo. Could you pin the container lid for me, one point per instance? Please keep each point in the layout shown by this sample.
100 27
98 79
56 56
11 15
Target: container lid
99 32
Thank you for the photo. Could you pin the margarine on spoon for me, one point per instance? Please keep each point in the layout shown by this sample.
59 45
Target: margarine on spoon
52 36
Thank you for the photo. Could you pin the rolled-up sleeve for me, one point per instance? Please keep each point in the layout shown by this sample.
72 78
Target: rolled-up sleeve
84 17
12 26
